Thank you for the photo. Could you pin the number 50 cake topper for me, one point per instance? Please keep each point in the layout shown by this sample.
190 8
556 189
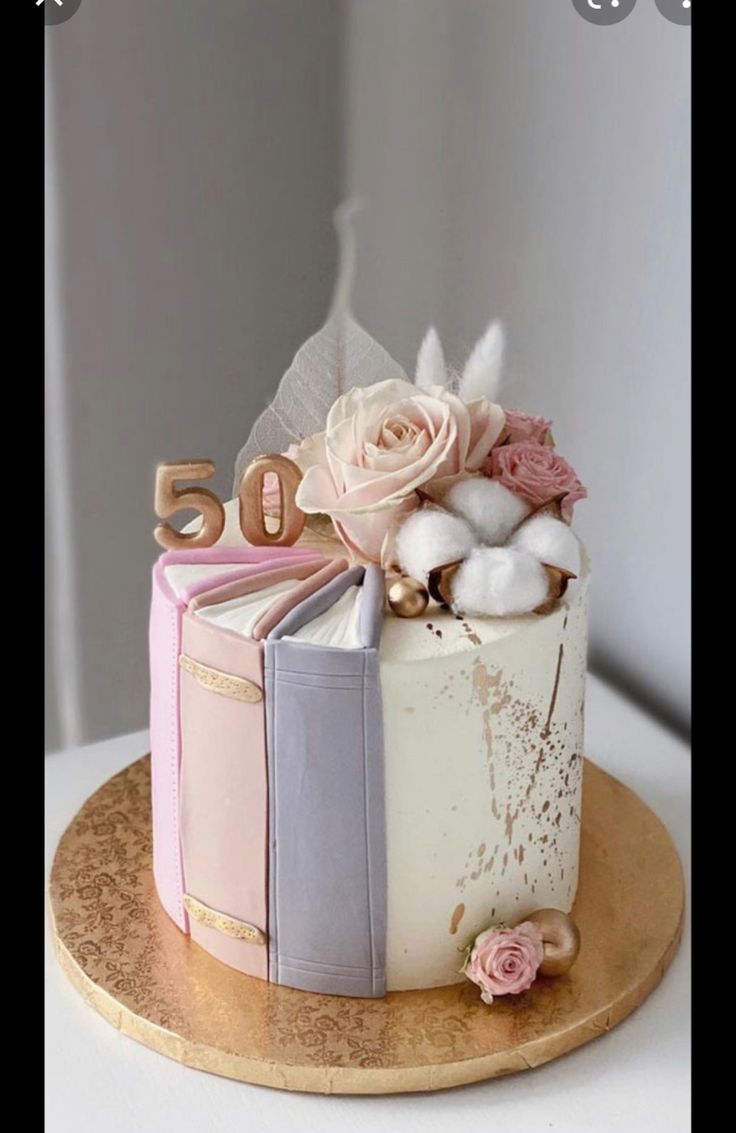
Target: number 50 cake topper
169 499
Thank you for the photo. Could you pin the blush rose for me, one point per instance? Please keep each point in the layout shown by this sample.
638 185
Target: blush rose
382 444
523 427
536 473
505 961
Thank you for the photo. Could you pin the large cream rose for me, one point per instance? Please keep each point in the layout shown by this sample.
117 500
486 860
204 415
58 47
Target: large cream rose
380 445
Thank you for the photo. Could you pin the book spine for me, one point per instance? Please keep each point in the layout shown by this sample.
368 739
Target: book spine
164 642
165 627
327 853
224 794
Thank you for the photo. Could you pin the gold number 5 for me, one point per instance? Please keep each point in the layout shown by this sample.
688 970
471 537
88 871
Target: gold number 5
168 499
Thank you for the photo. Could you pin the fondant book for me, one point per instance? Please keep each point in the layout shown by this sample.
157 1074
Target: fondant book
327 861
179 577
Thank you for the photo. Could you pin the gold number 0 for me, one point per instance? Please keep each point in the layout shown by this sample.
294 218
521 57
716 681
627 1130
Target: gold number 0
252 520
168 499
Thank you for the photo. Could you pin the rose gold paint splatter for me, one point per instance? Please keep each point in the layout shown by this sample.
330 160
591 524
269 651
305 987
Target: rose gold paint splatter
471 635
555 688
457 916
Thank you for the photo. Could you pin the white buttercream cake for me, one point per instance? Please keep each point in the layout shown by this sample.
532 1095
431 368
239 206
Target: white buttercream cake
368 676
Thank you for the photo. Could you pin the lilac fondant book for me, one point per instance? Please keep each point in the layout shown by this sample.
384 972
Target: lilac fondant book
327 861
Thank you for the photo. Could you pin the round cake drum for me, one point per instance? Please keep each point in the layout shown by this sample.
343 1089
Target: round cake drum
132 965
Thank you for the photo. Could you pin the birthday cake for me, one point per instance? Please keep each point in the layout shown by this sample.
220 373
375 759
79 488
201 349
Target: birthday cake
367 681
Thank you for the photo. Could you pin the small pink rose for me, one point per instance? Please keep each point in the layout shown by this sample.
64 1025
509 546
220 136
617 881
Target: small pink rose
536 473
271 493
523 427
505 961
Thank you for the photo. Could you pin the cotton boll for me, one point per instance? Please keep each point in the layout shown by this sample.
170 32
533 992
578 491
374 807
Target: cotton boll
499 582
431 537
550 541
488 507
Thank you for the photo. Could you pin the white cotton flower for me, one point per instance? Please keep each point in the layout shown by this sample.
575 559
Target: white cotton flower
550 541
430 538
490 508
499 582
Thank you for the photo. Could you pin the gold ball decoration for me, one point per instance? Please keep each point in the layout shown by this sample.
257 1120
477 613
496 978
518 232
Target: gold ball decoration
408 598
561 939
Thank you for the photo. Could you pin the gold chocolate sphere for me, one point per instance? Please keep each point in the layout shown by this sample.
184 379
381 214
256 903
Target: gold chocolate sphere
408 598
561 940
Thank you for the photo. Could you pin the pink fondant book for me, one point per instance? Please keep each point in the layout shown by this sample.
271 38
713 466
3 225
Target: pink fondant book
179 577
224 769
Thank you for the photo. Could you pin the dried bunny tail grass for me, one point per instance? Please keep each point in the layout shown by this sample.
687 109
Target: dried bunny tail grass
482 372
431 367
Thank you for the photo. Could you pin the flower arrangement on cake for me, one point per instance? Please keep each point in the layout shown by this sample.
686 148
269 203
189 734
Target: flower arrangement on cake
453 495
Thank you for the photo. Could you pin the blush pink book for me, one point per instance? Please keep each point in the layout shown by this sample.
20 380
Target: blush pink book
165 632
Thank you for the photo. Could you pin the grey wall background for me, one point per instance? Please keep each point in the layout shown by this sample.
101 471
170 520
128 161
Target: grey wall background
515 161
520 161
196 163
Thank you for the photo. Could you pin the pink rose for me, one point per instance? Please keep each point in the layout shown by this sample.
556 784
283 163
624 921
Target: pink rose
504 961
536 473
382 443
523 427
271 494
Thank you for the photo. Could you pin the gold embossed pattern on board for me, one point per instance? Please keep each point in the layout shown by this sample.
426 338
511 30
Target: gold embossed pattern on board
133 965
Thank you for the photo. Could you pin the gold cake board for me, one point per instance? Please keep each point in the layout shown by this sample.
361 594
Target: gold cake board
131 963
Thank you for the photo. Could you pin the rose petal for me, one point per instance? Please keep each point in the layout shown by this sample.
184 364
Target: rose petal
366 535
316 492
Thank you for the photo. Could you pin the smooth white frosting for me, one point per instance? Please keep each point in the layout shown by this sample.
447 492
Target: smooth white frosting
483 764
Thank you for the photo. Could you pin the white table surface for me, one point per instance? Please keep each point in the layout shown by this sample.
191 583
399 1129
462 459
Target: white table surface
637 1077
